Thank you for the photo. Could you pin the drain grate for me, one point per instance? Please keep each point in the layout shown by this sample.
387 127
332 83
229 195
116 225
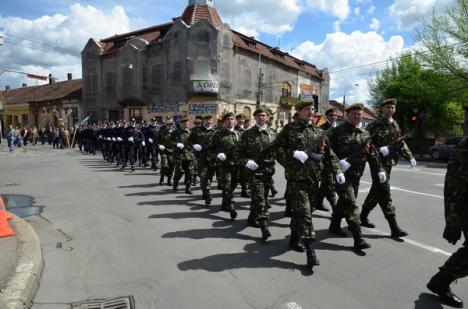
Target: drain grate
127 302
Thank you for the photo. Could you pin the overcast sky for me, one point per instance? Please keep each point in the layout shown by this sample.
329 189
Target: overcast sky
47 36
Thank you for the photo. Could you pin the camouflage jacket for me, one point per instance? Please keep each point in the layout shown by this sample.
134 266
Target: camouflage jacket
257 145
353 144
326 126
456 188
181 136
386 133
301 136
203 137
227 142
163 138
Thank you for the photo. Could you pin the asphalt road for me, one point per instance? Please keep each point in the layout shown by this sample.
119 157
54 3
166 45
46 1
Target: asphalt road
107 233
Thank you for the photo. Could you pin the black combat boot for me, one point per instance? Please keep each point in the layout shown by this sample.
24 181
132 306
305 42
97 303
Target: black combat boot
161 179
264 228
365 218
245 193
175 186
206 196
359 242
287 211
188 190
251 220
232 211
312 259
169 183
294 242
396 230
335 226
132 168
440 285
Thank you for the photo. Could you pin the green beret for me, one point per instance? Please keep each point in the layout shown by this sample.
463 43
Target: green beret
301 105
247 119
169 122
353 107
240 116
389 102
261 110
207 116
197 122
331 110
229 114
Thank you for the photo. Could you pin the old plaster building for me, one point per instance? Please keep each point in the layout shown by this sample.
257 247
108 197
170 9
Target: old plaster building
193 65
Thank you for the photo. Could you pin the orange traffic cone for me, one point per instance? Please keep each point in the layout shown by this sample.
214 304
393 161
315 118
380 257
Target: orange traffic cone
5 229
8 215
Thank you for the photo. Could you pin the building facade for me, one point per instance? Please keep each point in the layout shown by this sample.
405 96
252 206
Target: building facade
193 65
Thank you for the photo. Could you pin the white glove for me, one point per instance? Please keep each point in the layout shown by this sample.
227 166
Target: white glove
221 157
143 144
382 177
340 178
384 151
130 139
251 165
161 147
413 162
114 139
150 140
180 146
109 139
301 156
344 165
100 136
197 147
119 139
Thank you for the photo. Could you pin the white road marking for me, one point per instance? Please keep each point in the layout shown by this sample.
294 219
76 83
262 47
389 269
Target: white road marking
408 191
414 243
419 171
439 184
292 305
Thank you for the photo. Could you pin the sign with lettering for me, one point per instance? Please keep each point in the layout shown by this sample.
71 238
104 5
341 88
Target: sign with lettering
203 108
305 97
205 86
164 107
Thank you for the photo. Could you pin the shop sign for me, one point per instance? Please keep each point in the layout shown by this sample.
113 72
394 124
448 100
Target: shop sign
202 108
205 86
164 107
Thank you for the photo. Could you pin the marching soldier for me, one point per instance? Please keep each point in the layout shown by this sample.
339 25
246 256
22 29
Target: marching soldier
258 158
456 223
129 134
166 152
239 127
200 140
151 149
387 137
196 125
118 131
327 184
183 156
225 147
302 148
352 144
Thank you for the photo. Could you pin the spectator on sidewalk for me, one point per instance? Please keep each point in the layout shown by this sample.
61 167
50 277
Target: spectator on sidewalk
11 138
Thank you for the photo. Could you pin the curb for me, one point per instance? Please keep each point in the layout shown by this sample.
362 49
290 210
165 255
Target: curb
21 288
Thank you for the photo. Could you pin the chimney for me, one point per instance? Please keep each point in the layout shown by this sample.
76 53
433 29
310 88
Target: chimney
7 87
25 85
69 76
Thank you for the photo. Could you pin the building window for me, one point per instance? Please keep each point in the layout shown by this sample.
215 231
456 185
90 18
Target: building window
136 113
286 89
110 81
113 115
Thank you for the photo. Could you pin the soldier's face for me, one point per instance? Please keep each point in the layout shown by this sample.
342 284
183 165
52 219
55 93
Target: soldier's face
355 117
207 122
240 121
261 118
332 117
229 122
307 114
389 110
183 125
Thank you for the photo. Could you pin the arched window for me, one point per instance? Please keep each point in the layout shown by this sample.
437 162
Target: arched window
286 89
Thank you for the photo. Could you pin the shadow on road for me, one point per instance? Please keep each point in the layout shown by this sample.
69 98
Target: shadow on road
427 301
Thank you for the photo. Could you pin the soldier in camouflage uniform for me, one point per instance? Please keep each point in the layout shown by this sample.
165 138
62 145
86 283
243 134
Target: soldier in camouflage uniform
243 181
167 159
225 147
387 137
301 148
200 140
327 184
258 158
287 196
456 220
183 156
196 125
352 144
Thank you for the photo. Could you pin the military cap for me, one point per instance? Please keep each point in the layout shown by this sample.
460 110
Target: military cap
153 119
247 119
301 105
184 120
391 101
198 117
169 122
330 110
261 109
240 116
133 120
207 116
229 114
353 107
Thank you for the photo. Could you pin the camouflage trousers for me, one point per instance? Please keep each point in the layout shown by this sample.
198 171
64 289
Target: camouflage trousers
243 176
205 172
167 165
302 195
228 176
327 189
380 194
457 264
259 184
182 167
346 206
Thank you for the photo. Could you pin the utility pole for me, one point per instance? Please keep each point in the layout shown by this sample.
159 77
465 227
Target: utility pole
260 88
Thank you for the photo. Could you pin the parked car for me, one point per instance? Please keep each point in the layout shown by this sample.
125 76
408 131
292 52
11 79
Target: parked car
444 151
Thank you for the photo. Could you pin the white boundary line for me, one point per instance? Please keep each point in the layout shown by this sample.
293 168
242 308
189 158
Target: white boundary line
408 191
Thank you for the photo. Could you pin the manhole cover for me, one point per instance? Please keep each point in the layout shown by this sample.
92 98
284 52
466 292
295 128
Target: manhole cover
127 302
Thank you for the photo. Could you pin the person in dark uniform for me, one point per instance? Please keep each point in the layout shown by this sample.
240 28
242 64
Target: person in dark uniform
151 149
164 146
239 127
129 137
183 156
